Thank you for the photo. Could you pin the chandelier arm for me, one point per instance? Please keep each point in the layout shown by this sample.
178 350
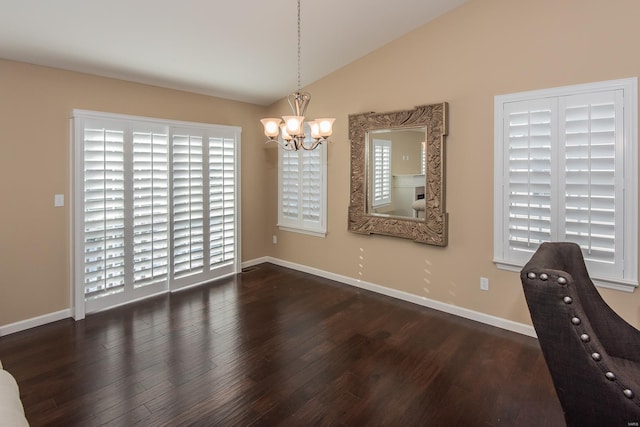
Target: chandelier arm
286 146
304 102
313 145
298 143
298 102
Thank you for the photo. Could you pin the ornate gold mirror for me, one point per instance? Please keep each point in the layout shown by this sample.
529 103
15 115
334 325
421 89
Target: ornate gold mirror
397 174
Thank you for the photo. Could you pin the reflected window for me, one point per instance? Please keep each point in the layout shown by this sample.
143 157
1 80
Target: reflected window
381 174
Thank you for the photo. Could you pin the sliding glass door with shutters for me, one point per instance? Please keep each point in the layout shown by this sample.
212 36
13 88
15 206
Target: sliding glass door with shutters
155 207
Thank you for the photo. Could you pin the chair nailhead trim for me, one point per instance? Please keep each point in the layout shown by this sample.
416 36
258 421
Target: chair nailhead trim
596 357
628 393
567 300
531 275
562 280
585 338
610 376
575 321
544 276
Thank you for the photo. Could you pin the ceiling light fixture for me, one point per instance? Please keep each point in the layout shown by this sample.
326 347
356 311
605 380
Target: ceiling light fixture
292 129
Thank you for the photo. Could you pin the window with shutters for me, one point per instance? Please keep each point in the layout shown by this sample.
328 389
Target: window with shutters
566 170
155 206
381 173
302 195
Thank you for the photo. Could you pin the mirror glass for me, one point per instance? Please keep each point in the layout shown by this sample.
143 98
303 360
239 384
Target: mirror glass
396 172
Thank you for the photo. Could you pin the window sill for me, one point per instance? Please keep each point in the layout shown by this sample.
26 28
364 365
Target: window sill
615 284
309 232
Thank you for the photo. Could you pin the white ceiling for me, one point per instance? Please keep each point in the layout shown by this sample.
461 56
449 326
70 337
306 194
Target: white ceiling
236 49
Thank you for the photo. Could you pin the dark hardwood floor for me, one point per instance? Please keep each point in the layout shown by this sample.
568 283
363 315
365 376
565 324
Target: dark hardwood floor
274 346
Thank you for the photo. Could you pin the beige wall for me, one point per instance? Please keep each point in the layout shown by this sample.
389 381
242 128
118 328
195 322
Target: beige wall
406 153
35 106
483 49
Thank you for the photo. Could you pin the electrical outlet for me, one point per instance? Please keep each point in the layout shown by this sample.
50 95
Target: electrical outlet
274 239
484 283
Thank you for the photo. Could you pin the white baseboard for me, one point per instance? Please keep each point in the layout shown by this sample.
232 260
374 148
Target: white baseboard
477 316
33 322
257 261
487 319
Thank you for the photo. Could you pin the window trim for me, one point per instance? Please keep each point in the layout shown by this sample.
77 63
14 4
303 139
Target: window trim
316 229
629 281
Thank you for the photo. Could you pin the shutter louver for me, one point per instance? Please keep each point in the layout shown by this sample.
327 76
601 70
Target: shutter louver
529 131
104 248
150 208
222 201
188 205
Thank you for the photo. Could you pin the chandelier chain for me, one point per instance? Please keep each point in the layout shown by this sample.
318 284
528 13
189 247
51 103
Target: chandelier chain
299 85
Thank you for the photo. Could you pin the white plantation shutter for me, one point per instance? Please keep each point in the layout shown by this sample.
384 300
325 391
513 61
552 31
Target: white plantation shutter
222 201
591 126
528 130
104 211
156 207
290 177
561 175
302 190
150 207
188 204
381 179
311 186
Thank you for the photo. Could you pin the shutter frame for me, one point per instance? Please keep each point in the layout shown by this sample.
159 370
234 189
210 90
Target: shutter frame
302 190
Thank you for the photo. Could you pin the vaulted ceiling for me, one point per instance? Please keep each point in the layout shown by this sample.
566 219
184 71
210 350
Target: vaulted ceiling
237 49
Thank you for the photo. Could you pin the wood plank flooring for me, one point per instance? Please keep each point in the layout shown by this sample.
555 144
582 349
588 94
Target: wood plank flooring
274 346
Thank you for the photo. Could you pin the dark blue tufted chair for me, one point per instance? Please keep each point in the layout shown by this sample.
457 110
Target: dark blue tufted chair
593 355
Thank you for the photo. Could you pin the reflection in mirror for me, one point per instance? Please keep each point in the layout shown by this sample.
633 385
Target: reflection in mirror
396 172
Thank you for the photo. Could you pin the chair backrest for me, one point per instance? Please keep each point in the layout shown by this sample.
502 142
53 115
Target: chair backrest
593 355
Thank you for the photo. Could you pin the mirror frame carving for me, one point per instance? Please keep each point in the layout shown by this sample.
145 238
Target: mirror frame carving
433 229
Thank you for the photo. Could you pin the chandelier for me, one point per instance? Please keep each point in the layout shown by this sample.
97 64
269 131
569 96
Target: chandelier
291 128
